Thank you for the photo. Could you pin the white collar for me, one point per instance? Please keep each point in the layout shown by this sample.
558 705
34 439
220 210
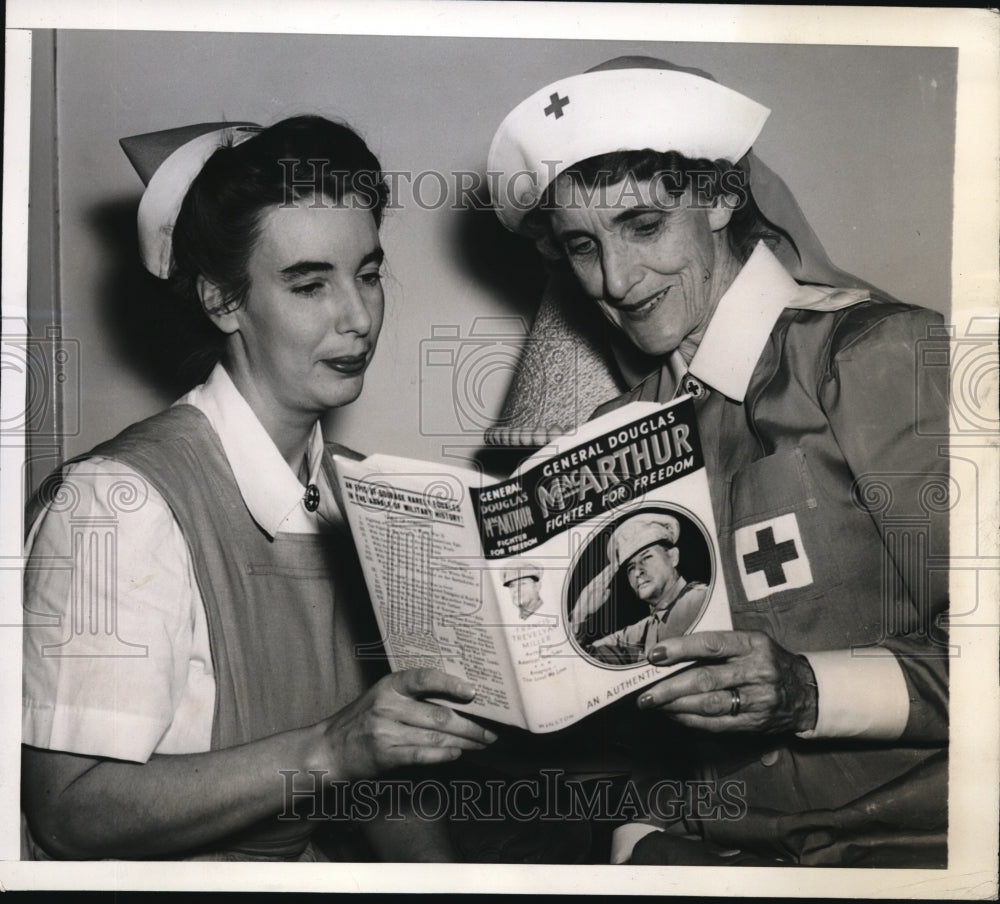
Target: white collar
271 490
745 316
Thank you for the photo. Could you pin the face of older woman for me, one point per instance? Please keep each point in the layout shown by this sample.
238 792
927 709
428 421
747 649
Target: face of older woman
301 342
643 255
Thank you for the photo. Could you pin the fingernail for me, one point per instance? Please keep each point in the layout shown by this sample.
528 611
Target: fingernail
489 736
645 701
658 655
467 689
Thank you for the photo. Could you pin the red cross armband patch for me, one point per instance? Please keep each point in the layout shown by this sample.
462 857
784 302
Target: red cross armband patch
771 558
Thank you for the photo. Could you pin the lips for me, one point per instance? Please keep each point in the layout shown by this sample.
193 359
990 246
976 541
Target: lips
641 309
348 365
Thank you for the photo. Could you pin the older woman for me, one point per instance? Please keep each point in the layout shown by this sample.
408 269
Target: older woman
827 704
231 685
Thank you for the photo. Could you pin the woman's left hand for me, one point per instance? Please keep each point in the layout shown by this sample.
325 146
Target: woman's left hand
740 681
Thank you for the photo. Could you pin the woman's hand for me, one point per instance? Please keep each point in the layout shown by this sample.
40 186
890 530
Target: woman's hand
393 725
740 681
83 807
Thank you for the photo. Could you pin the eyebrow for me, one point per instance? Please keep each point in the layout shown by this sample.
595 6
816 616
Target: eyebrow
304 268
375 256
637 211
618 219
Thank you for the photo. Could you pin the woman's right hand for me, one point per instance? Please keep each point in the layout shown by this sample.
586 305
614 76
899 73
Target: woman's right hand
393 724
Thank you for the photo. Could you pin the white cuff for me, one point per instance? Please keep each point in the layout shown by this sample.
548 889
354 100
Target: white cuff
858 696
626 837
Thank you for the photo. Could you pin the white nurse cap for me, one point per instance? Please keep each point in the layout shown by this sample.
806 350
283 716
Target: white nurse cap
607 110
168 162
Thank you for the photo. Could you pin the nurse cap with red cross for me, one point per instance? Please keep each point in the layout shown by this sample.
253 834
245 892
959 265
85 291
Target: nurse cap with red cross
627 103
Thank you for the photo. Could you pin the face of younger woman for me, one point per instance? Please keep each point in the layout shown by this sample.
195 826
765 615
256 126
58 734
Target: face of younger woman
308 328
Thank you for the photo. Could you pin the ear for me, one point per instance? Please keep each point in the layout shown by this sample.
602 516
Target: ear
213 303
674 555
720 213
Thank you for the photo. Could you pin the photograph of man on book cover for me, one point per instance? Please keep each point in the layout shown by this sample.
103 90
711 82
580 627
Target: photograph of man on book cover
522 578
643 577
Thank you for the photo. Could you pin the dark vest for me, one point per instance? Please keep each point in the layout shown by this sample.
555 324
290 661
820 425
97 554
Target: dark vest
292 634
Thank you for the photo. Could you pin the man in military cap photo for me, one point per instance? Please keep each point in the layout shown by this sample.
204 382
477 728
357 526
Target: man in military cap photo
522 578
645 549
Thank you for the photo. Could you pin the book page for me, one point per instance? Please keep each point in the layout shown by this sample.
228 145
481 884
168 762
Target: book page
417 541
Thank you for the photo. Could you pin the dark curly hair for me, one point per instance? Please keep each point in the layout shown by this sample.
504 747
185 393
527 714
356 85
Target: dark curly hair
219 221
709 180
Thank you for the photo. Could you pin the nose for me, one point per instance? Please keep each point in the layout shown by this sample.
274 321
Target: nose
353 315
621 270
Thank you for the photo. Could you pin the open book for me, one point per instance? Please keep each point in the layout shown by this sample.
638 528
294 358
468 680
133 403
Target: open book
547 589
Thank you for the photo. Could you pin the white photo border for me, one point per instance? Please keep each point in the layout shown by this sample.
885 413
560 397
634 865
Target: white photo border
972 871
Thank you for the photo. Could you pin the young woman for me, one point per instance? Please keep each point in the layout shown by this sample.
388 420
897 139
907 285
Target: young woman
230 683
